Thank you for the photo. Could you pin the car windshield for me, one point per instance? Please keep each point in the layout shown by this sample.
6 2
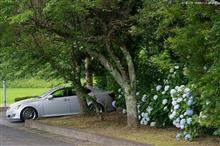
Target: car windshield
48 92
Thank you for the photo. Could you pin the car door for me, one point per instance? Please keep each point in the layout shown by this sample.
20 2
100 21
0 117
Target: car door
58 104
74 101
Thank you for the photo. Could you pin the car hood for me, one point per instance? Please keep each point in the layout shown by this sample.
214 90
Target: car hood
25 101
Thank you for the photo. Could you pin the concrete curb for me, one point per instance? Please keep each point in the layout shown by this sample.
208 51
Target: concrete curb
81 135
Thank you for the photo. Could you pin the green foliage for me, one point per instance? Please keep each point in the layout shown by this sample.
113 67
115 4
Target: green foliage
22 17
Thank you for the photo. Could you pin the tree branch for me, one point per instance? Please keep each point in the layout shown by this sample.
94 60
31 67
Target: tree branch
109 67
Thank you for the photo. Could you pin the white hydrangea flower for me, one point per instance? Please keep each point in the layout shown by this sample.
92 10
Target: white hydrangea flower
207 102
142 122
174 113
186 90
189 121
139 117
152 124
177 87
172 92
137 93
184 95
182 86
146 115
138 106
144 97
119 90
164 92
177 125
149 109
158 87
171 70
165 108
174 102
164 101
177 120
155 97
176 67
181 126
142 114
179 100
166 88
171 116
181 116
165 81
148 119
180 89
145 122
187 137
176 107
182 122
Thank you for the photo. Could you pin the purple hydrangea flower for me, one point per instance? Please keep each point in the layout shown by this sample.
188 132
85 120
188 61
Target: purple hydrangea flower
188 94
190 102
189 112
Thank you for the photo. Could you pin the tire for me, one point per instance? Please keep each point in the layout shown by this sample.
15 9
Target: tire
92 108
28 113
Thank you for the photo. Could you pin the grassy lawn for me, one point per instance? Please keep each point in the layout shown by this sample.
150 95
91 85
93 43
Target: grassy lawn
113 126
21 92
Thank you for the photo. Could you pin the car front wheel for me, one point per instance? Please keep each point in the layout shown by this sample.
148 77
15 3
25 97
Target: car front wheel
28 113
93 109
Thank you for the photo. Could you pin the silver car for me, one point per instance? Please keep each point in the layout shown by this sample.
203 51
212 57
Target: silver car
58 101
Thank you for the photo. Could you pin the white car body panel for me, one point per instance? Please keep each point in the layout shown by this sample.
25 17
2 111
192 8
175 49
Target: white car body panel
57 106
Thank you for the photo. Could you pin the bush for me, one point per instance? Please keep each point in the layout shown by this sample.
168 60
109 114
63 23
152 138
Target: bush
170 102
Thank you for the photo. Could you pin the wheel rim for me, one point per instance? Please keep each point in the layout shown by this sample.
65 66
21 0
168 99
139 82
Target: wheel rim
93 109
28 114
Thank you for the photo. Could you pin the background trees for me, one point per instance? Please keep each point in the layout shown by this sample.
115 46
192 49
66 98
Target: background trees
136 42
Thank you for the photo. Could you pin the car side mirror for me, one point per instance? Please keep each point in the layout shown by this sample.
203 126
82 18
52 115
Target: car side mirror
50 97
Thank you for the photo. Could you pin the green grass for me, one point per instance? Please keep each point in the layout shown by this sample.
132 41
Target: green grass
21 92
32 83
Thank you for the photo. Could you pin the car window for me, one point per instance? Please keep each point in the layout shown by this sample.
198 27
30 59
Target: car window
59 93
71 92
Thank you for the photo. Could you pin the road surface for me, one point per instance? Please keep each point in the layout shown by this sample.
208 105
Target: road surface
15 134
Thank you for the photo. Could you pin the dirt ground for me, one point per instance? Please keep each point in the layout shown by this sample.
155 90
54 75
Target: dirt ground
114 123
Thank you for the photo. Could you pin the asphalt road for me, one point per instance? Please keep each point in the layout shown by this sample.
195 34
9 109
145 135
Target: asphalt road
15 134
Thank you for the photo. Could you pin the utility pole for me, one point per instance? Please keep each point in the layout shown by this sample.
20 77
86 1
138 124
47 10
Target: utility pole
4 93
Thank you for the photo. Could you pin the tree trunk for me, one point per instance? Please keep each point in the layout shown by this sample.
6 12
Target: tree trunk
83 103
88 73
131 105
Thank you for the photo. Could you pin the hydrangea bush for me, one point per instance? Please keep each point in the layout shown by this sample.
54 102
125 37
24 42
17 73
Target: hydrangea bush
169 103
182 113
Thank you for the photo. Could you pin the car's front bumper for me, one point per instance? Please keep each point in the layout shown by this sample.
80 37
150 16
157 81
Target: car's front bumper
12 114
